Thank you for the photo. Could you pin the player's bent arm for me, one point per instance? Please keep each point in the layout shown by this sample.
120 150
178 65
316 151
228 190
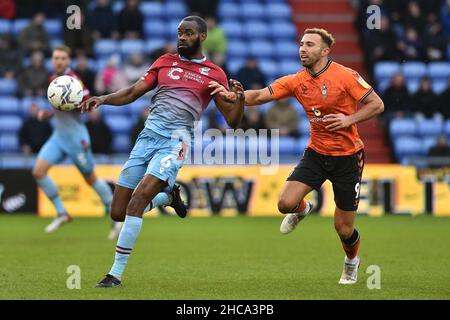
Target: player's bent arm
257 97
232 112
372 106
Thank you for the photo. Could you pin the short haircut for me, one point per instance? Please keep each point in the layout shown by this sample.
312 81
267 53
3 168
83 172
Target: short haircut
64 48
201 23
324 34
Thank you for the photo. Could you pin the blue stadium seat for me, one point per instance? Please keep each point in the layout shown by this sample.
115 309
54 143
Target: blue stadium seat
261 49
253 11
383 85
155 28
121 143
54 27
303 142
253 30
232 28
108 110
119 124
279 11
427 143
269 67
175 9
233 65
173 28
439 85
26 103
407 146
229 11
303 126
19 24
54 42
7 86
152 9
118 6
9 142
287 145
155 43
430 127
412 85
290 66
137 106
10 123
9 105
105 47
5 26
128 46
237 49
414 69
402 127
385 70
282 30
447 127
439 70
286 49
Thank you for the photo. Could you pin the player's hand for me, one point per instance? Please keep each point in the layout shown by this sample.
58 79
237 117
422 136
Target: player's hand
44 115
337 121
228 96
91 104
238 89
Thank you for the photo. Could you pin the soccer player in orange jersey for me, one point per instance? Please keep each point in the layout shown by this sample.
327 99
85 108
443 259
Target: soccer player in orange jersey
329 93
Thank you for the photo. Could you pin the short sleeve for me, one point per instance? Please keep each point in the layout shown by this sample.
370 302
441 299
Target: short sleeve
282 87
222 79
151 76
356 86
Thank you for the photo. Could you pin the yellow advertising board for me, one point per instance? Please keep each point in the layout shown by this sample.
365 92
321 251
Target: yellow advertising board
232 190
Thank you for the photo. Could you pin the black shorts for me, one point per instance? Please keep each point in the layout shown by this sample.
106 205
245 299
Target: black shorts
344 172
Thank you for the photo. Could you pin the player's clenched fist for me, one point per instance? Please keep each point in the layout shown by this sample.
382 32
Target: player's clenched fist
236 93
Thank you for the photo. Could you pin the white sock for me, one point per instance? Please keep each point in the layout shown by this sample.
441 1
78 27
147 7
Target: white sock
355 260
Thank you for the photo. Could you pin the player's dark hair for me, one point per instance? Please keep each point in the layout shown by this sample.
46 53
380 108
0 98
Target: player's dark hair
64 48
201 23
324 34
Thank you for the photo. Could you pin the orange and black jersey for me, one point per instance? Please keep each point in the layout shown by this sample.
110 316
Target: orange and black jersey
334 89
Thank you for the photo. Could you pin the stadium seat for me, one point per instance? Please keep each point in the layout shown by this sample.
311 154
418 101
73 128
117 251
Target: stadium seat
439 86
129 46
7 87
118 123
407 146
303 143
265 107
383 85
153 44
9 142
155 28
282 30
447 127
287 145
19 24
427 143
108 110
303 126
385 70
430 127
152 9
5 26
232 29
237 49
26 103
253 30
402 127
235 64
279 11
269 67
286 49
118 6
10 123
253 11
9 105
439 70
105 47
137 106
175 9
261 49
290 66
121 143
229 11
412 85
54 27
414 70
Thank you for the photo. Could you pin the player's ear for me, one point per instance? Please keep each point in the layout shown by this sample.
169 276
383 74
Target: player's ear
326 51
203 36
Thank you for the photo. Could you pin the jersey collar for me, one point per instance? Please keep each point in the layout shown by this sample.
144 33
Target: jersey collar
192 60
315 75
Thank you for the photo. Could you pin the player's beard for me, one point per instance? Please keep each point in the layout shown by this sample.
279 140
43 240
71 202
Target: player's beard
189 51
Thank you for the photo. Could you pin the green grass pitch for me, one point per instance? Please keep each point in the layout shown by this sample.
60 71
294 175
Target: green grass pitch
226 258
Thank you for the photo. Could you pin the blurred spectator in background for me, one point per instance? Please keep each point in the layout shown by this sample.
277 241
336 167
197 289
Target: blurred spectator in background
34 37
131 20
103 21
444 101
10 62
7 9
111 78
99 132
250 75
203 8
219 60
414 18
33 80
445 16
441 149
79 40
169 47
282 115
425 101
85 73
253 119
435 42
381 44
216 42
411 46
135 67
33 133
396 98
139 125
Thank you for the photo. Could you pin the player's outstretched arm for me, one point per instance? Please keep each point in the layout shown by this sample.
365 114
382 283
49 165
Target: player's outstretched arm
257 97
230 103
118 98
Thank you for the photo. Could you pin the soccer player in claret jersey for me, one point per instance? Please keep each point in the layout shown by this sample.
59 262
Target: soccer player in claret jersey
183 91
329 93
70 138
